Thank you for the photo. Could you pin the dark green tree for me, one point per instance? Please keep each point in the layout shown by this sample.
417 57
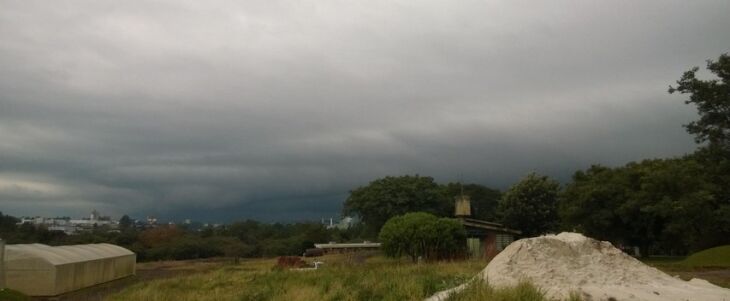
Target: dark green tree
390 196
712 99
589 203
531 205
672 206
8 223
660 205
125 222
420 234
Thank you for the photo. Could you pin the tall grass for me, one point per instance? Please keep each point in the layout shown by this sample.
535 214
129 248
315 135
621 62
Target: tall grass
524 291
339 279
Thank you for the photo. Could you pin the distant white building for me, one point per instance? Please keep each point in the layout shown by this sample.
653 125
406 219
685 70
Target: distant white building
68 229
71 226
95 219
344 223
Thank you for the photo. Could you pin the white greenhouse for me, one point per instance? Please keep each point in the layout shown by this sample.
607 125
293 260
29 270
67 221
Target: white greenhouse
41 270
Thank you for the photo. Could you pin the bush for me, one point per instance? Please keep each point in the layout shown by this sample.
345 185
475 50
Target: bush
423 234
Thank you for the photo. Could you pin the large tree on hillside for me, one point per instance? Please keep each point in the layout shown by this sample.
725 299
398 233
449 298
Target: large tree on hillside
391 196
531 205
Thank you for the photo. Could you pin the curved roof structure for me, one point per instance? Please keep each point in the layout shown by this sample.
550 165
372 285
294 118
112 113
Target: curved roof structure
41 270
65 254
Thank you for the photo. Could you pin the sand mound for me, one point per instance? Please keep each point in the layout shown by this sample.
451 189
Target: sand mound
595 269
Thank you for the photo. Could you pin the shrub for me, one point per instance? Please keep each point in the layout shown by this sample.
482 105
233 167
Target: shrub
422 234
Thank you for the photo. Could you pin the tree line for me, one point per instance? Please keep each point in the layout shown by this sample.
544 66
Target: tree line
240 239
668 206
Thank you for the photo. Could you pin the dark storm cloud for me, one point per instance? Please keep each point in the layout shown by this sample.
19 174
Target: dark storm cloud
275 109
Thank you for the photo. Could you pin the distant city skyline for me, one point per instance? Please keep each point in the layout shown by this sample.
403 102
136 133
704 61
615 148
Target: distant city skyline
275 110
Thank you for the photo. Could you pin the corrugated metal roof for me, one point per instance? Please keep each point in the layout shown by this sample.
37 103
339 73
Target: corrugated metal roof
348 245
64 254
488 225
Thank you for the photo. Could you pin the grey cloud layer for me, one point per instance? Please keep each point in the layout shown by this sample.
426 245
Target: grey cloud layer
275 109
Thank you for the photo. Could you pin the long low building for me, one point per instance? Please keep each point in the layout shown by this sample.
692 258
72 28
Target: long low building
347 247
41 270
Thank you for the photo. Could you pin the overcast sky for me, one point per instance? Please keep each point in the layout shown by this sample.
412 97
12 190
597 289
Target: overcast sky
219 110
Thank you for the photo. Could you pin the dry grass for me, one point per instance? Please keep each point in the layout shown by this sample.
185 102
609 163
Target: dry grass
525 291
341 278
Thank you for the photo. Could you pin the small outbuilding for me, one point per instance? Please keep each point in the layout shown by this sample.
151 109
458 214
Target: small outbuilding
484 239
41 270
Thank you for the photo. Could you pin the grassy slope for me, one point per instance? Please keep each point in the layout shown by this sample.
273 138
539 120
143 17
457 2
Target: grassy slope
697 268
714 257
339 279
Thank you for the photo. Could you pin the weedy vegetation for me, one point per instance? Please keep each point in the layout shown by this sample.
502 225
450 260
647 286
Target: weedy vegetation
524 291
340 278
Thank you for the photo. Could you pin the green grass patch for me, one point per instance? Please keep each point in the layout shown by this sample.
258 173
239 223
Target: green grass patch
713 257
662 260
377 278
11 295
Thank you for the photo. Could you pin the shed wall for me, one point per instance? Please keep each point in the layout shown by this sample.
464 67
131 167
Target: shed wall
74 276
31 282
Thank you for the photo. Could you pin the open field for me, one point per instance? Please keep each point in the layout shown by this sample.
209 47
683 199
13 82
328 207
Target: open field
340 278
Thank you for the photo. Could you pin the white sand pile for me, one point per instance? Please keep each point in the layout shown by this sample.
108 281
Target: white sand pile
566 262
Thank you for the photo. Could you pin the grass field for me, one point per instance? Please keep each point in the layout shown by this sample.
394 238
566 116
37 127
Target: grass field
718 257
345 278
340 278
705 268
